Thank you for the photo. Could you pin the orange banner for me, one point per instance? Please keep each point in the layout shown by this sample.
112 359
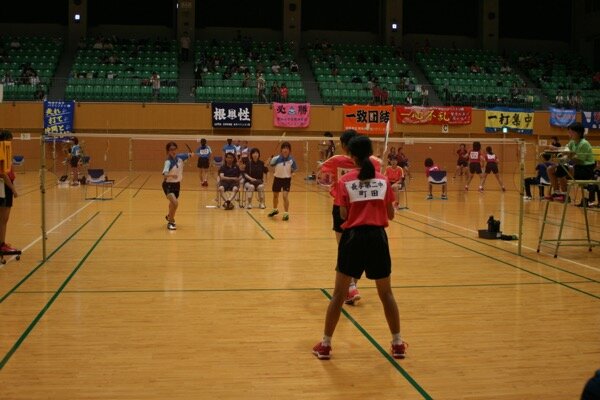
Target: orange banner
368 120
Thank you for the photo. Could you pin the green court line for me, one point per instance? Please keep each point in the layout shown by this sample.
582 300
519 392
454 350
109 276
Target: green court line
391 360
499 260
33 323
47 258
129 184
38 189
499 248
140 188
456 286
259 224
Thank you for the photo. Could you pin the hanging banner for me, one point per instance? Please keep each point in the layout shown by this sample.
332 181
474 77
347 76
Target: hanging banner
58 117
514 119
562 117
365 119
291 115
434 115
232 115
590 119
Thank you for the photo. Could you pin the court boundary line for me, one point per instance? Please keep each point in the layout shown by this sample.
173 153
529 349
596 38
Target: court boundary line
43 311
140 188
265 230
453 286
499 260
544 263
56 250
129 184
379 348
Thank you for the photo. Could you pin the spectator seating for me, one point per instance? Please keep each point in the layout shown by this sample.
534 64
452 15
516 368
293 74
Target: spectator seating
564 73
475 77
40 53
125 77
343 71
223 65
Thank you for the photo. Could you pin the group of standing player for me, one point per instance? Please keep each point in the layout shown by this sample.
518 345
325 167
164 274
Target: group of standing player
240 166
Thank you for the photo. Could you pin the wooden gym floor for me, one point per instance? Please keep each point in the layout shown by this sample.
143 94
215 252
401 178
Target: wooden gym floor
231 303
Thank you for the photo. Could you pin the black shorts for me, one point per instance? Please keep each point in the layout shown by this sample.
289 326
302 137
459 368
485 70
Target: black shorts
462 163
364 248
171 187
403 164
228 185
203 163
74 161
337 219
475 168
280 184
7 201
584 172
561 171
491 168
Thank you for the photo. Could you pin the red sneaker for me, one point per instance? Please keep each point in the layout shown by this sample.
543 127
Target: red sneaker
353 296
322 352
7 248
399 350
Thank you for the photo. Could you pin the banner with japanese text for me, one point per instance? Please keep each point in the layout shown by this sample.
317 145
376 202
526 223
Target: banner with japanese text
562 117
590 119
434 115
513 119
232 115
58 117
366 119
291 115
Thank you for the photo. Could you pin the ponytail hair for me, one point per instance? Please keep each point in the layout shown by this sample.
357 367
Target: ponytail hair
361 148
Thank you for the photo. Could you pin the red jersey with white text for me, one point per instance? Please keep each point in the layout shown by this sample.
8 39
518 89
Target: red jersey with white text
365 201
475 157
462 154
338 166
491 158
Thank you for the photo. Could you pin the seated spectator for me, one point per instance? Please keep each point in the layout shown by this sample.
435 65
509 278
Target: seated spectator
229 180
541 178
8 79
275 68
474 68
409 98
505 69
255 176
39 93
294 67
395 174
425 97
376 91
559 100
247 80
15 44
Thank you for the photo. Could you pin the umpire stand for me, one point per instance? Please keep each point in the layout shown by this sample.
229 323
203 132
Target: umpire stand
559 241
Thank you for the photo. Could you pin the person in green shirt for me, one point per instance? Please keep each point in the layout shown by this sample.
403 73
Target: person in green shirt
581 155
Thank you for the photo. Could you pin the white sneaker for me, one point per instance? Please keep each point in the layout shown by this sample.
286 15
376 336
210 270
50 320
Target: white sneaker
526 197
262 205
249 206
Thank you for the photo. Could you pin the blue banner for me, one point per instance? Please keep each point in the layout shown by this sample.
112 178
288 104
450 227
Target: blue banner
590 119
562 117
232 115
58 117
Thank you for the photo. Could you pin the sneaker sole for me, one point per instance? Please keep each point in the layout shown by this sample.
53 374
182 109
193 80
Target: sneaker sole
399 356
322 356
353 300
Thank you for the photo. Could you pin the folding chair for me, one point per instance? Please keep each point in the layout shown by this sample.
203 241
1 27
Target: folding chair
98 179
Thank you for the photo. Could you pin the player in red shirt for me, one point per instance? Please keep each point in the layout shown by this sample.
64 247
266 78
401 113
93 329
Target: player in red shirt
336 167
491 167
395 175
366 204
475 161
463 160
8 176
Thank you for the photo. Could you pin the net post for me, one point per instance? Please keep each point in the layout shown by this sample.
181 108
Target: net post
521 193
43 193
130 156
